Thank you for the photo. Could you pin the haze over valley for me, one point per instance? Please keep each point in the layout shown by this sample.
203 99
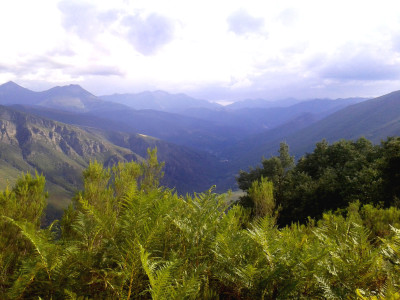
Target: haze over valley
60 130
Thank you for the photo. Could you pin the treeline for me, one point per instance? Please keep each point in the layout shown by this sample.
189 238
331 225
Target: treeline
330 177
125 237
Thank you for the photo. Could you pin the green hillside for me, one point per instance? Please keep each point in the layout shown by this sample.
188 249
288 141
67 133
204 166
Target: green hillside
374 119
61 152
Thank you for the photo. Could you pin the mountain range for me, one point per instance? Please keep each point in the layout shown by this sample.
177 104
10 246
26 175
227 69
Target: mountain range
69 98
60 130
161 101
375 119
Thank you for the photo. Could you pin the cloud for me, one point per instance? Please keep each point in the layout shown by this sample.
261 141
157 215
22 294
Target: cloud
98 70
64 50
242 23
32 65
396 43
149 34
84 19
362 66
4 68
44 62
288 17
38 64
146 33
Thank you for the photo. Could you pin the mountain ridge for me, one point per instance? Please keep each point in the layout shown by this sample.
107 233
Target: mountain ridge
159 100
187 165
233 138
374 119
69 97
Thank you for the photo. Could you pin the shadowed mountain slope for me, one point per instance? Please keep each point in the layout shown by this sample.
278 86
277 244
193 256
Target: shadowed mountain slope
257 120
375 119
160 100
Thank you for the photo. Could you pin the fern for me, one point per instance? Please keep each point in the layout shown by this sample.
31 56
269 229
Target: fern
42 265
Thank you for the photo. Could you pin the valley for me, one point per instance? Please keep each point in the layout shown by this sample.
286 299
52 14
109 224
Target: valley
58 132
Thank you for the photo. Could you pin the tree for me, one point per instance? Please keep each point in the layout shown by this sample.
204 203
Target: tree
151 170
390 170
125 240
328 178
26 201
262 195
275 169
21 211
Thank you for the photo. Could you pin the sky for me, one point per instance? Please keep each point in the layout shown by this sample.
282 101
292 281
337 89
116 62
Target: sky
223 50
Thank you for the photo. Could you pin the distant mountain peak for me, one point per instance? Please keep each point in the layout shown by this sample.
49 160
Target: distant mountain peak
160 92
11 85
71 86
75 86
72 89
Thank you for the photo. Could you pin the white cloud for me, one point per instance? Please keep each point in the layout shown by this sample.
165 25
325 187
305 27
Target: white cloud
149 33
269 48
85 19
241 23
361 66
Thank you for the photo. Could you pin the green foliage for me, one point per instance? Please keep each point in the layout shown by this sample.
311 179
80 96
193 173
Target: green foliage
390 166
26 200
275 168
124 237
380 221
330 177
262 196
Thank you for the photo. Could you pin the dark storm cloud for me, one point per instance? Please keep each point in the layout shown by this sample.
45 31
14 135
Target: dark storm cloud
149 34
360 66
241 23
84 19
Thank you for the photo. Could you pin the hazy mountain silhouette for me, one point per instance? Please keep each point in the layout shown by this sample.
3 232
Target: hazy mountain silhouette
161 101
262 103
71 98
257 120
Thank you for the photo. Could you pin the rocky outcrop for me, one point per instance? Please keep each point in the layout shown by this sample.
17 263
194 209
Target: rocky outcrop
60 151
24 130
8 132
